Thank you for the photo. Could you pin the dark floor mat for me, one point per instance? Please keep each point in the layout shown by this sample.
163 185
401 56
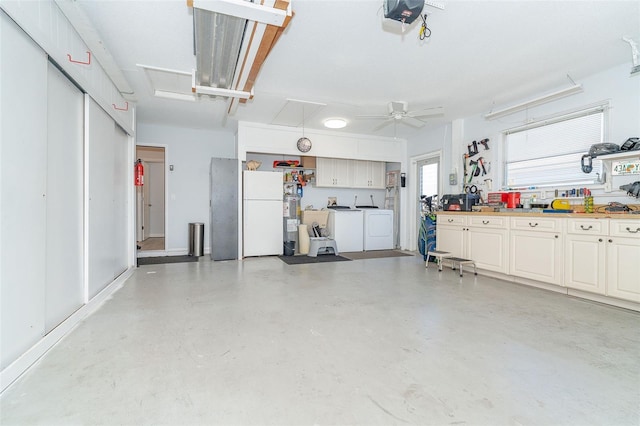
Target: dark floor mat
301 260
166 259
375 254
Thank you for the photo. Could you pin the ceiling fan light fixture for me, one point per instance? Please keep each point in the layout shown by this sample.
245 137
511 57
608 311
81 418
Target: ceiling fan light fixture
335 123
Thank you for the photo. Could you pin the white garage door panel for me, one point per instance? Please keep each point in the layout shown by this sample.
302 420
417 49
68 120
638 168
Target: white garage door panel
109 169
121 186
23 138
64 289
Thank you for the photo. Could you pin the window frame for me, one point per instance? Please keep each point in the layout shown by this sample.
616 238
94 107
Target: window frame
591 180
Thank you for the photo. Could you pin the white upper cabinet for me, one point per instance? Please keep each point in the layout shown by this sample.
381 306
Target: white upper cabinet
339 173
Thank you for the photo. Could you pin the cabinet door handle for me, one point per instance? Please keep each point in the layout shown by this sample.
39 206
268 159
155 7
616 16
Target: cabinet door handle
556 236
633 232
533 225
610 240
599 240
449 220
587 228
485 222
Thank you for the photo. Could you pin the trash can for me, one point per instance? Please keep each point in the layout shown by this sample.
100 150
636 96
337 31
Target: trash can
196 239
289 248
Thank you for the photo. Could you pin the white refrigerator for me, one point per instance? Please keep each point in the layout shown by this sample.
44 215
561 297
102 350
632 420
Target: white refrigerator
262 213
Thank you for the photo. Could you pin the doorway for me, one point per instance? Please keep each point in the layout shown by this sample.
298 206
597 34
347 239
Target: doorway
150 200
426 171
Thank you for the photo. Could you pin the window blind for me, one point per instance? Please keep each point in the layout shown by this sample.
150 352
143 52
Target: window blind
549 153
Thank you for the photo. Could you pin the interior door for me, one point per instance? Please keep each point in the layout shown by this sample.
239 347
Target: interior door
146 213
139 214
156 199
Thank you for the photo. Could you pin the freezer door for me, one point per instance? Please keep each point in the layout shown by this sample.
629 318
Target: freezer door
262 234
262 185
223 212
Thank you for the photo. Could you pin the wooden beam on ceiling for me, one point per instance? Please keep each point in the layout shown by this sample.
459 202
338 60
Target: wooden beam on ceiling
268 35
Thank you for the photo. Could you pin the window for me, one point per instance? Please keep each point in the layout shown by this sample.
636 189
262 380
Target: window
549 152
428 170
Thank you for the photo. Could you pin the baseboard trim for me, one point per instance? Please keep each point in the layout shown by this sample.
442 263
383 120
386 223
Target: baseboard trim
585 295
607 300
170 252
13 371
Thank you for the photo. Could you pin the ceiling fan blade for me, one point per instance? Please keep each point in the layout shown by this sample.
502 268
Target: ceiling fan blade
373 116
427 112
383 124
412 121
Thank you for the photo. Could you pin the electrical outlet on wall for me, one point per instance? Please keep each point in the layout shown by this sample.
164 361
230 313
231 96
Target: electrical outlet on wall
453 178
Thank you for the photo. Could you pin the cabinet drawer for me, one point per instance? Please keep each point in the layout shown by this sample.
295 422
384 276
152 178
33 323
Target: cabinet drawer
624 228
488 221
588 226
450 219
535 223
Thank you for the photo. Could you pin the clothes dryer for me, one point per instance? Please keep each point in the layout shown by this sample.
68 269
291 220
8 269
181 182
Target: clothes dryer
378 229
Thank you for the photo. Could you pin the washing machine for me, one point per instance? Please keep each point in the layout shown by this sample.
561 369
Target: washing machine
378 229
346 226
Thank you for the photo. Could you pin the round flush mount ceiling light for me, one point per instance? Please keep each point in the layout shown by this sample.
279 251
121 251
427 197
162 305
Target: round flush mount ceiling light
335 123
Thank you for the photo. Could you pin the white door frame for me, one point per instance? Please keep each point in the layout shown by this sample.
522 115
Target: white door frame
166 185
413 189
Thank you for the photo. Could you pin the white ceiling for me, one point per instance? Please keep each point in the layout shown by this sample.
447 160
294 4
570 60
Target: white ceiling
346 55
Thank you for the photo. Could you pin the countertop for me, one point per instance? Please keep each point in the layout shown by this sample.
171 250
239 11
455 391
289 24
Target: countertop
625 216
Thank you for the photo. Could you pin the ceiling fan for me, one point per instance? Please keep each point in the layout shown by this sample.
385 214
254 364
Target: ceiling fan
399 112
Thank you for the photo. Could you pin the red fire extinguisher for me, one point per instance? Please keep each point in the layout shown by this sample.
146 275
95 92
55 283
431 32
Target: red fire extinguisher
138 173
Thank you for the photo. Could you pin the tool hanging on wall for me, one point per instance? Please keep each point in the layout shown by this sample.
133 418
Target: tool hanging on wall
474 169
485 143
472 148
425 32
481 163
464 167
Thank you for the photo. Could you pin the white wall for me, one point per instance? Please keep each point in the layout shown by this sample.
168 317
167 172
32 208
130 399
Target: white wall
254 137
190 152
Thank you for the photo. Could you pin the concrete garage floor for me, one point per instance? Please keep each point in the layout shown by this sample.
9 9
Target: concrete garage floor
367 342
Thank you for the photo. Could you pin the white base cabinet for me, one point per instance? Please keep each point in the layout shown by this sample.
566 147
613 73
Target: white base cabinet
585 263
623 260
585 254
450 232
603 257
488 242
590 255
483 239
536 249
